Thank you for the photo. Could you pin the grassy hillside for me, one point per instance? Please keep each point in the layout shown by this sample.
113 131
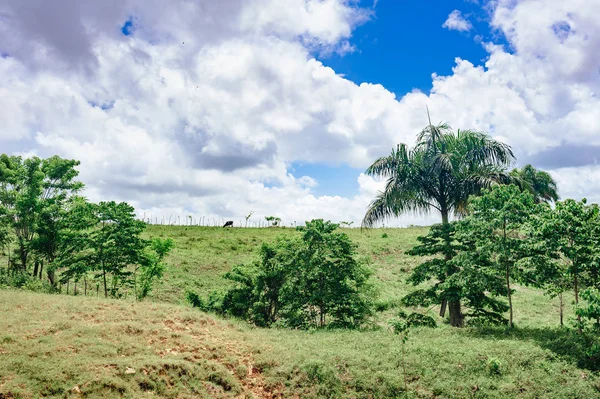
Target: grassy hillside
203 254
66 346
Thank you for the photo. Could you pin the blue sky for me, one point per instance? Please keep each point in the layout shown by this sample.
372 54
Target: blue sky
400 48
405 43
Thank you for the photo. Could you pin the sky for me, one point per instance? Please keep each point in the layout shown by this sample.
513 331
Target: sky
219 108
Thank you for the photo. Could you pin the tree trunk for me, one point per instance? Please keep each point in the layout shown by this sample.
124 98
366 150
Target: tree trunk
443 307
36 266
561 304
510 307
104 279
51 277
23 257
456 316
41 269
576 288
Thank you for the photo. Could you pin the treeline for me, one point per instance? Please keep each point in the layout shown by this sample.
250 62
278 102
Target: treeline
505 238
52 235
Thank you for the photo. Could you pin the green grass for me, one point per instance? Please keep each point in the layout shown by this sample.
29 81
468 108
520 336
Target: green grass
63 346
66 346
203 254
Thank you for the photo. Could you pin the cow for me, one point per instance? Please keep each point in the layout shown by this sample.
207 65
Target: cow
229 223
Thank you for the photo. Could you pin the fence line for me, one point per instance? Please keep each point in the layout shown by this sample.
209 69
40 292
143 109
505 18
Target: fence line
212 221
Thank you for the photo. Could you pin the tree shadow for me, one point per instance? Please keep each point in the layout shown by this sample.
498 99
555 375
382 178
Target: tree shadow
582 350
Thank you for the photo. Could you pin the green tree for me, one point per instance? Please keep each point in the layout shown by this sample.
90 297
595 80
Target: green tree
327 279
456 271
440 172
273 220
591 308
257 293
537 182
309 281
498 226
31 190
152 266
109 244
572 230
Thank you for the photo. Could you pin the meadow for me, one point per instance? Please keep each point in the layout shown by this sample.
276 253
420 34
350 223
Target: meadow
76 346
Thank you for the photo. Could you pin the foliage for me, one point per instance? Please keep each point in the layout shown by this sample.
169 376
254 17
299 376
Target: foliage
302 282
110 243
275 221
537 182
151 264
455 273
440 172
591 308
572 231
32 193
498 225
195 300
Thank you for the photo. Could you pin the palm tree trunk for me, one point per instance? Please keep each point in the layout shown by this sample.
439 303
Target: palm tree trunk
454 306
444 302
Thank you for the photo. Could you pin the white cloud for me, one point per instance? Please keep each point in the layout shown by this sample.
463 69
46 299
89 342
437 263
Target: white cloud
456 21
205 106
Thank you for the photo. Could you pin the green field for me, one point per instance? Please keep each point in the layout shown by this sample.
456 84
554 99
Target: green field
62 346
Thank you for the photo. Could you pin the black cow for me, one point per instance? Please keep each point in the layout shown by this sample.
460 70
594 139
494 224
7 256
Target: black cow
229 223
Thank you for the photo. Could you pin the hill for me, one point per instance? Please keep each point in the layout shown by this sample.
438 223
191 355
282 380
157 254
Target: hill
76 346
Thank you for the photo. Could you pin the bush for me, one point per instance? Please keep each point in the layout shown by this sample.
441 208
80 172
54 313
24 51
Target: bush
195 300
24 281
308 282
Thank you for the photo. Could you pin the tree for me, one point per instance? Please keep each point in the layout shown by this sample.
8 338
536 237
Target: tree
30 188
257 293
59 226
537 182
327 279
456 271
572 230
108 246
275 221
498 226
440 172
152 266
309 281
591 309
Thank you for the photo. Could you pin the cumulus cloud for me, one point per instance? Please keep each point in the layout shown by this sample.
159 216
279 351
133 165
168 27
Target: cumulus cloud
456 21
205 105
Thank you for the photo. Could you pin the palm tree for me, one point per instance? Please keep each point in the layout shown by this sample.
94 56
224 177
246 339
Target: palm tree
539 183
440 172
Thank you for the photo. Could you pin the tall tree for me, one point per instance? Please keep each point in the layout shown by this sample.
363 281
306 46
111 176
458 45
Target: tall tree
456 271
440 173
573 231
108 246
537 182
28 187
498 227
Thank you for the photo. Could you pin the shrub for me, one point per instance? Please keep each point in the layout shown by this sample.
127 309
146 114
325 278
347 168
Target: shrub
311 281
